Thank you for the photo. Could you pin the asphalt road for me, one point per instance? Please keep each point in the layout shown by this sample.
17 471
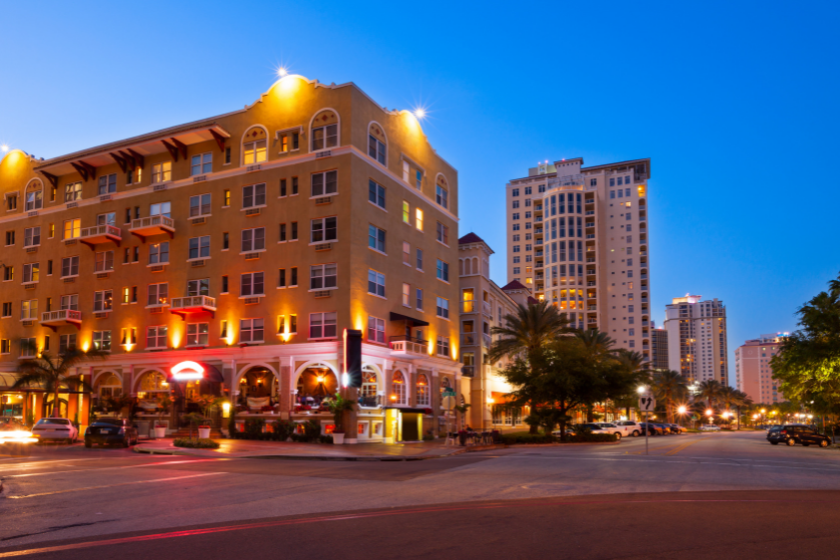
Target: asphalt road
725 495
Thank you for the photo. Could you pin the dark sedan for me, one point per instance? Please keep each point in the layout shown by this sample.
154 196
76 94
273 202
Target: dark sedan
111 431
791 434
655 429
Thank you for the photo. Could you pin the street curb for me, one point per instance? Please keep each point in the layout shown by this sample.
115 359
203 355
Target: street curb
380 458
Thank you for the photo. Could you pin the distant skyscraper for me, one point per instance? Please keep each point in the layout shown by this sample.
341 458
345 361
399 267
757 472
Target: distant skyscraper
577 236
697 338
753 374
659 346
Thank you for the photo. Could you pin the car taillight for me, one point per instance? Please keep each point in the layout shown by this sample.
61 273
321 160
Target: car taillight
783 432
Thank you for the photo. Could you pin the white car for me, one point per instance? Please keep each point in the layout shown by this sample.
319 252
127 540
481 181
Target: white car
629 428
55 428
709 428
613 428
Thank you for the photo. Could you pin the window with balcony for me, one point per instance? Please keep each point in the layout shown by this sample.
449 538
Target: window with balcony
70 302
158 295
31 272
253 196
376 238
323 230
323 277
322 325
69 266
28 309
376 330
102 341
376 283
161 209
198 334
201 164
200 205
376 194
104 261
159 253
324 184
252 284
156 337
253 240
468 300
199 247
102 301
442 308
162 172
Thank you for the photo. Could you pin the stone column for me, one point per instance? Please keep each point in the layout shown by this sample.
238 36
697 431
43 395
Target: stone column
286 389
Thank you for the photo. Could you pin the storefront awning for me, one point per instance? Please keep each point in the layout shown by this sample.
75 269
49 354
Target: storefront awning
7 380
414 322
195 371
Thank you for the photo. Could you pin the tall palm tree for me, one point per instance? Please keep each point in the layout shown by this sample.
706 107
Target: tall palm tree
527 331
597 345
669 387
51 372
632 371
709 392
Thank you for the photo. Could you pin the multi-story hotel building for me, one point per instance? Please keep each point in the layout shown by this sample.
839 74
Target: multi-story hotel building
753 372
578 237
659 344
485 305
697 339
247 243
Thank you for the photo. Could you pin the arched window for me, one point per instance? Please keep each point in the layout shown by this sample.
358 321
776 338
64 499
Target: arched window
368 395
423 390
324 130
400 389
34 196
442 192
377 143
254 145
153 382
109 386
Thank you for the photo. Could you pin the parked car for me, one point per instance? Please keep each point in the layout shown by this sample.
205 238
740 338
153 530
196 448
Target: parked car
676 428
791 434
613 428
55 429
111 431
655 429
709 428
630 428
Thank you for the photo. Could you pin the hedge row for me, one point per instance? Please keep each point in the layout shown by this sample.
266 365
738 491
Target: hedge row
196 443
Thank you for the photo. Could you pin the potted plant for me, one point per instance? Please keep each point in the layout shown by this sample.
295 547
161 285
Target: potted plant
338 406
160 431
196 420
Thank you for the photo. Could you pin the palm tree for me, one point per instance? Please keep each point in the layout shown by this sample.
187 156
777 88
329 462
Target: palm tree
709 391
669 387
632 371
527 331
51 372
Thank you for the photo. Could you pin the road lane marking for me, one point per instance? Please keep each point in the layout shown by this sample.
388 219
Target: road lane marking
158 464
683 446
112 485
368 515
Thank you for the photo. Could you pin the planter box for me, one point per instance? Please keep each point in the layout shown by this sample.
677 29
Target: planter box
338 439
203 432
160 432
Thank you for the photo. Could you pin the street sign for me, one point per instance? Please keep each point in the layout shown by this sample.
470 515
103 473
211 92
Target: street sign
646 402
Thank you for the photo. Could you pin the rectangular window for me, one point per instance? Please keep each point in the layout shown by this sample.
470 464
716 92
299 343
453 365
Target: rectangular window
376 238
322 325
442 233
102 301
102 341
159 253
419 259
200 205
376 283
199 287
70 302
161 209
72 192
10 238
253 196
293 279
104 261
34 200
109 219
442 346
28 309
5 346
376 330
442 196
253 240
442 307
419 298
323 230
254 152
283 187
282 232
224 284
199 247
281 278
294 235
376 149
32 236
294 186
406 212
66 342
322 276
442 270
156 337
406 251
418 219
31 272
325 137
162 172
198 334
72 228
108 184
158 295
201 164
406 294
324 184
7 309
69 266
251 284
376 194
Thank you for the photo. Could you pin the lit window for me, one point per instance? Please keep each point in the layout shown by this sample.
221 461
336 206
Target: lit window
254 152
162 172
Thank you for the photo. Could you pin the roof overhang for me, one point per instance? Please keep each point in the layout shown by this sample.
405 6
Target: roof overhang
415 322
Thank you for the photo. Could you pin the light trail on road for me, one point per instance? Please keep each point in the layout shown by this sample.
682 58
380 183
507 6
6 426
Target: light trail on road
20 497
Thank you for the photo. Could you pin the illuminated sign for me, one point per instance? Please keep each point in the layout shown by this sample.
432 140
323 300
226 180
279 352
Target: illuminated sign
187 371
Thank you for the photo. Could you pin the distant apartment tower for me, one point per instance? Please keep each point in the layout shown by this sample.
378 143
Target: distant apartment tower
577 236
659 347
697 338
753 373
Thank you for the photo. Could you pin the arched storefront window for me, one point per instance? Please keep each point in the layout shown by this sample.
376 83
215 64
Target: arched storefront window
258 391
368 395
400 389
109 385
423 391
315 383
152 382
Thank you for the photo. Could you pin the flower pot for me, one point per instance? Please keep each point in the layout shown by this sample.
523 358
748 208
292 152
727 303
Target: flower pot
204 432
160 432
338 439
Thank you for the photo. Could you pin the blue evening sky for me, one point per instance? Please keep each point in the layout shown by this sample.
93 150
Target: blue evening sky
735 102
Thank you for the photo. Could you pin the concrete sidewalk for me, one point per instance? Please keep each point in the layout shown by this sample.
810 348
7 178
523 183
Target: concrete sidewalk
237 448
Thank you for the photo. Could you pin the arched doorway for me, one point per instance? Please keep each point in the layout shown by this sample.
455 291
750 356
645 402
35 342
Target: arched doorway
315 383
259 391
400 395
153 393
107 391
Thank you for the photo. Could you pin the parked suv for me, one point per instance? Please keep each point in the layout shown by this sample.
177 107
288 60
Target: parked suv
613 428
791 434
630 428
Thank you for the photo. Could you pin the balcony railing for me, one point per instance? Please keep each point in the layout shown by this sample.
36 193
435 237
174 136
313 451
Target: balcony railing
487 308
468 339
53 319
409 346
590 236
192 304
153 225
370 401
485 338
468 371
468 306
101 234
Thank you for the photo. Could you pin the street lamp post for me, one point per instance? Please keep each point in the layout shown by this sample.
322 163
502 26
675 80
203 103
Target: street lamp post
642 390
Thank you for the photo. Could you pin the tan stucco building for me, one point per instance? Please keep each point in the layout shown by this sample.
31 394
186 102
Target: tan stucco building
753 372
247 242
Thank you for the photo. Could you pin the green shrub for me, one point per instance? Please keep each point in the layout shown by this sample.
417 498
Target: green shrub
254 428
196 443
312 430
283 430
